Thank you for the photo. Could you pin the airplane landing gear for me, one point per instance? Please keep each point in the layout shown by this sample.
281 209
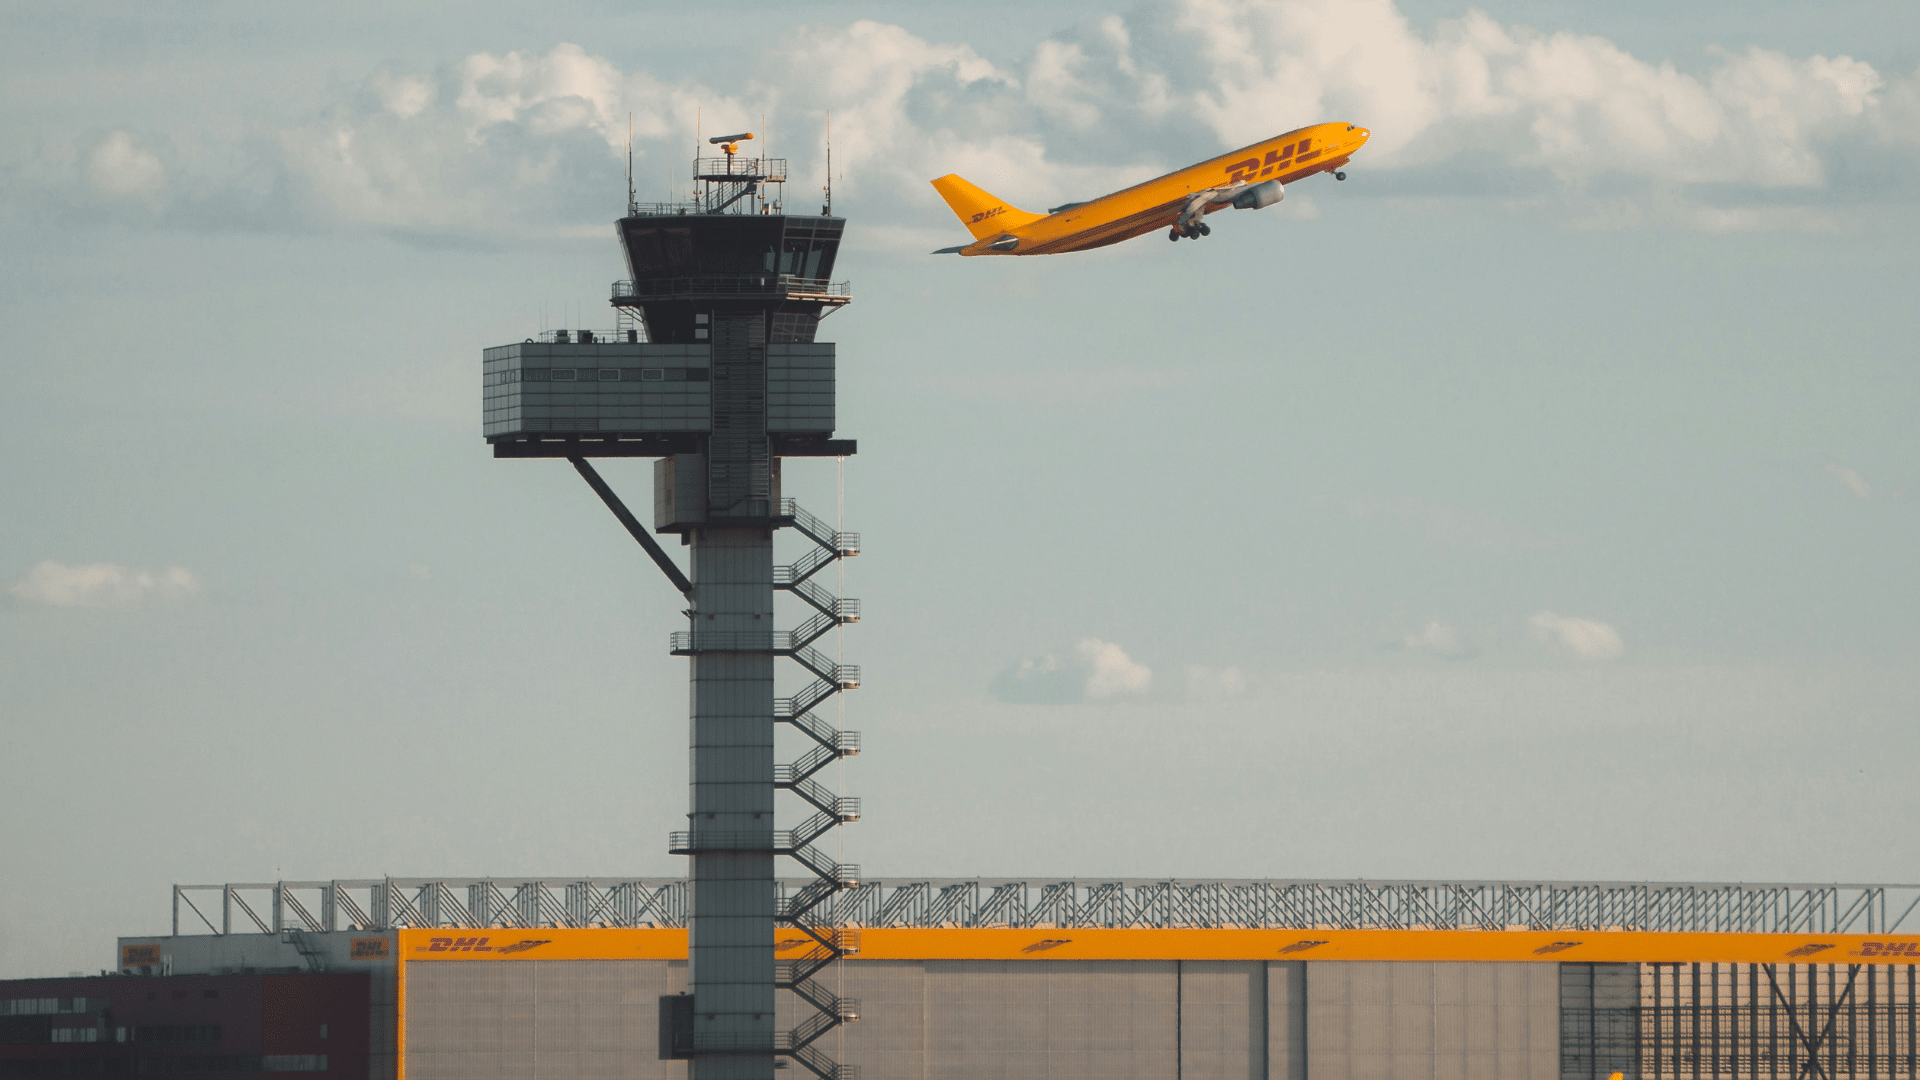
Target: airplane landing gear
1173 234
1206 229
1339 174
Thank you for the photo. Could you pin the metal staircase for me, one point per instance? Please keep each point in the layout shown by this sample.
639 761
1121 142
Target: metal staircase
309 950
808 910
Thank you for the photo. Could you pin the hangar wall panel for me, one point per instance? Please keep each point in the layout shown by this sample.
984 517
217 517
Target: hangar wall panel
1053 1020
1223 1020
1287 1020
546 1020
1433 1021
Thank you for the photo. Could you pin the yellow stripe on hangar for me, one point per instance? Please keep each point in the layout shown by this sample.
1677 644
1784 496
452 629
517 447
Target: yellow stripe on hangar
1607 946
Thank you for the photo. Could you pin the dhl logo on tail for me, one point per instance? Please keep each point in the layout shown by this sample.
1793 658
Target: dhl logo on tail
983 214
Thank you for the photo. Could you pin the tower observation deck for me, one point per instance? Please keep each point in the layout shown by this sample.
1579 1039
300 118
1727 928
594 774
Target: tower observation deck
716 371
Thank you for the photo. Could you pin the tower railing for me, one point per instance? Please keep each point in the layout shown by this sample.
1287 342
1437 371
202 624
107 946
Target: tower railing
788 285
738 167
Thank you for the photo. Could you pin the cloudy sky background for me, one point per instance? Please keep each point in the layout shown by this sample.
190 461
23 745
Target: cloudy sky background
1538 503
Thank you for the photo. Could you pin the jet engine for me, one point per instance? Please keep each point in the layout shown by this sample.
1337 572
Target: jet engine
1259 196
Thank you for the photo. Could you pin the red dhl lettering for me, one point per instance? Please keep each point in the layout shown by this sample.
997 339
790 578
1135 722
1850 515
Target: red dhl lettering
1889 949
1251 168
459 944
479 945
985 214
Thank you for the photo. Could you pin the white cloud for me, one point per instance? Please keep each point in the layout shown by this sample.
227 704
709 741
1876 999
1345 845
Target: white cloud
531 141
119 167
1852 481
1111 673
1215 684
1438 639
52 584
1585 639
1575 106
405 96
493 143
1091 671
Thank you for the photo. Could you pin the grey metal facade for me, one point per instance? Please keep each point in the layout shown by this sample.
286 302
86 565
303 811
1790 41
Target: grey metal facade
1835 1021
1433 1021
1024 1020
551 387
1171 1020
552 1020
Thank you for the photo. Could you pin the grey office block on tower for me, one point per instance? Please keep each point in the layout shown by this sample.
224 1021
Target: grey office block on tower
552 387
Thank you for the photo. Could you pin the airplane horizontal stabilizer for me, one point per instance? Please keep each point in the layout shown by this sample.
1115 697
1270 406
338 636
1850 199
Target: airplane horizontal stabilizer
983 214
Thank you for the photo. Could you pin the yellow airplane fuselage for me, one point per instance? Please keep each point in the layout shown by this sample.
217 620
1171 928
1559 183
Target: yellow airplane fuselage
1161 203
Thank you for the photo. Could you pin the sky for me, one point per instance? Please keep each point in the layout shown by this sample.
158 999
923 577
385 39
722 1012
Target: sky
1539 503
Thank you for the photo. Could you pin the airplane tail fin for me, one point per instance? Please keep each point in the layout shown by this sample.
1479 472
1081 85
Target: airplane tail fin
983 214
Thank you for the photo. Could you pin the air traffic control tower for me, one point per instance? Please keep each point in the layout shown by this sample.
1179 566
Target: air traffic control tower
715 372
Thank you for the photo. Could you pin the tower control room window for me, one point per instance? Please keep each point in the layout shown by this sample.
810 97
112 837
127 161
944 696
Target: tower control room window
802 257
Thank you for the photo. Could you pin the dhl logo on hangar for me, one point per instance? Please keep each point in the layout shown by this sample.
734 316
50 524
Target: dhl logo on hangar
1888 950
477 944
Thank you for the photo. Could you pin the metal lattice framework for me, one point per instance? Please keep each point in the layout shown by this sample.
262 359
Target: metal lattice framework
386 903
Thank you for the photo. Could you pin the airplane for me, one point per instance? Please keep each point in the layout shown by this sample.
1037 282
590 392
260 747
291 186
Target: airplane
1179 202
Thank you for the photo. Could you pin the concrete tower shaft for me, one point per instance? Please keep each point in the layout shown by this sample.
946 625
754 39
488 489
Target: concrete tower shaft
731 802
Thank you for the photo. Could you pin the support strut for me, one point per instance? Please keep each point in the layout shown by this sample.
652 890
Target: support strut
647 542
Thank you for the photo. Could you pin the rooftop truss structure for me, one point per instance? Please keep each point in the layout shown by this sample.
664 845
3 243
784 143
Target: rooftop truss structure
387 903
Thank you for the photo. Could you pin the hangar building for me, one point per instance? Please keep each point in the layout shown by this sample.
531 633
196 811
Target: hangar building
1169 980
